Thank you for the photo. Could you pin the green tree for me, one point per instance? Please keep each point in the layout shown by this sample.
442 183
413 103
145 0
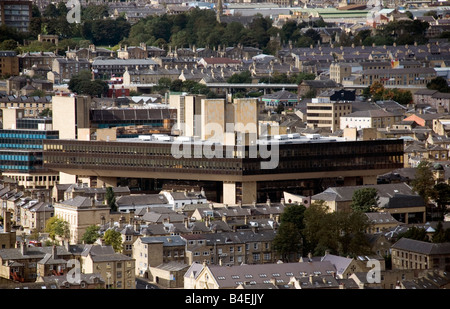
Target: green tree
316 237
51 11
415 233
38 93
106 31
176 85
9 45
442 195
93 12
313 34
111 198
91 234
298 78
364 200
240 78
288 240
35 12
57 227
46 112
352 238
423 182
439 83
113 238
400 96
62 9
341 233
83 84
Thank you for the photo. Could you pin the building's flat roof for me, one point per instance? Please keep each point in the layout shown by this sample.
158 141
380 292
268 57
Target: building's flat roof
276 139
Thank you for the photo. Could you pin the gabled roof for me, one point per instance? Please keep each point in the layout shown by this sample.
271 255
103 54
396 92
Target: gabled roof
79 201
232 276
218 60
165 240
141 200
341 263
346 193
103 253
160 218
380 217
373 113
422 247
281 95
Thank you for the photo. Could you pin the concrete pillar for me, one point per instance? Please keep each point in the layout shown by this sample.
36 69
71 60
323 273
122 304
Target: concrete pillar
106 182
65 178
249 192
349 181
370 180
229 193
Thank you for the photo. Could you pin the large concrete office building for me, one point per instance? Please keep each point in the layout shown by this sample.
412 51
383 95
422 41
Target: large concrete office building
237 164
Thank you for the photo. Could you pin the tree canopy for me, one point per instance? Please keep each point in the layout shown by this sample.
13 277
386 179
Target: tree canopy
91 234
113 238
111 198
439 83
316 230
56 227
288 240
365 200
424 182
82 83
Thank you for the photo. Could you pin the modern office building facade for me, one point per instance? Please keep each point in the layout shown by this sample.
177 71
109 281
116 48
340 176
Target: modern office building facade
217 145
21 144
235 174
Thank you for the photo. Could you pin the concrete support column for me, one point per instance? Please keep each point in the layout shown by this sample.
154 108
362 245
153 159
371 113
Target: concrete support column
106 182
229 193
370 180
349 181
248 189
65 178
249 192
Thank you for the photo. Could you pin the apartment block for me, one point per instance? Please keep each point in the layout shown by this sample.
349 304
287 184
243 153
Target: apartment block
9 63
324 113
414 254
63 69
16 14
367 119
116 269
395 77
81 212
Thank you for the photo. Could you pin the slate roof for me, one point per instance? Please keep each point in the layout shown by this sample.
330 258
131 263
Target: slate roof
339 262
161 217
281 95
380 217
141 199
232 276
422 247
123 62
370 113
103 254
346 193
168 241
31 253
80 201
